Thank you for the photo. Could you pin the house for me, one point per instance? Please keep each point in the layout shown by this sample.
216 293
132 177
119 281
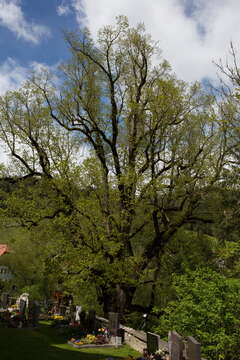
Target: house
4 249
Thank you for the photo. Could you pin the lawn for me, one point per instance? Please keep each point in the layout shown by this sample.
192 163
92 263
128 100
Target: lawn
43 344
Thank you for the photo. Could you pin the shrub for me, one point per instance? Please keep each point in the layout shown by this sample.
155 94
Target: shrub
207 307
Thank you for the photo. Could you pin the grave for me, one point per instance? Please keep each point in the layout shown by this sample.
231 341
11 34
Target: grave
4 300
176 346
62 310
78 312
193 349
83 318
22 306
114 329
72 312
34 312
153 342
91 321
113 324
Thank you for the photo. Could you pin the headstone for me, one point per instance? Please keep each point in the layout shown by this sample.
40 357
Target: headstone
62 310
113 323
91 321
176 346
67 313
83 319
193 349
72 312
78 312
153 342
116 340
34 312
4 300
22 307
21 301
121 334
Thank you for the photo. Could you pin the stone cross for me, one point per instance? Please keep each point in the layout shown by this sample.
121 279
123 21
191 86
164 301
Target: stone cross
176 346
193 349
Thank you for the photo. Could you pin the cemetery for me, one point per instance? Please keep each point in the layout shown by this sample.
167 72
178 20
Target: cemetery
119 208
86 330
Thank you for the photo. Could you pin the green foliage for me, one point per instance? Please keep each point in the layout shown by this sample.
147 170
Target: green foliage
155 147
206 307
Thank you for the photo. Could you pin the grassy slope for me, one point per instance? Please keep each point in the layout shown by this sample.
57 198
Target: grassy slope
42 344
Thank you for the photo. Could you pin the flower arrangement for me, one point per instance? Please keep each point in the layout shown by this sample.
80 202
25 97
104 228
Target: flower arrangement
99 339
89 339
57 317
161 354
103 331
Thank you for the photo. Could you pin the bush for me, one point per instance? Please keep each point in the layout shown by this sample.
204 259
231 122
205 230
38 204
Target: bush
207 307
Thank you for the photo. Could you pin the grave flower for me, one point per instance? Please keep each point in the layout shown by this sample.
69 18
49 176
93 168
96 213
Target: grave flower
161 354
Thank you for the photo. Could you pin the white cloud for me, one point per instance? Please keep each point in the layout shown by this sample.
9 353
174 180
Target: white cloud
12 75
63 10
12 16
190 52
81 12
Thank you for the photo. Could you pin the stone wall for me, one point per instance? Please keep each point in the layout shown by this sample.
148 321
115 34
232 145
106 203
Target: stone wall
178 347
135 339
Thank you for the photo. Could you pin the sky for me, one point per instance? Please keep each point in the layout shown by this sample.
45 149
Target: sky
191 33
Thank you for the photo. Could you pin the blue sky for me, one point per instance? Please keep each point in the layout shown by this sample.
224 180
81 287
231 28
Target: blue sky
191 33
48 47
31 31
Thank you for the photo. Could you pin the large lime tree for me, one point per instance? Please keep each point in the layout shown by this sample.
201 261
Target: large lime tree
154 146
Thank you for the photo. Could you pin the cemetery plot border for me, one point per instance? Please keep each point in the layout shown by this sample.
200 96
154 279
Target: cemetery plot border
93 345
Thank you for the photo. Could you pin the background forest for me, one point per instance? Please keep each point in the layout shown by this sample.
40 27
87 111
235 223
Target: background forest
123 188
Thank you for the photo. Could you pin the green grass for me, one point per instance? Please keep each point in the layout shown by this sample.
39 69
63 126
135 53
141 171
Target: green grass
44 344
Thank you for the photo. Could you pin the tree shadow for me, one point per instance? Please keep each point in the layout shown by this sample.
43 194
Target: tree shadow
42 343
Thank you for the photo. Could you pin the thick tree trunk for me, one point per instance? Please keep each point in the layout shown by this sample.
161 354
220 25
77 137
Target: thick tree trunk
117 298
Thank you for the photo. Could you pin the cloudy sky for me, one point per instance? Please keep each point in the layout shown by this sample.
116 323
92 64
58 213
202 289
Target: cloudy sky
191 33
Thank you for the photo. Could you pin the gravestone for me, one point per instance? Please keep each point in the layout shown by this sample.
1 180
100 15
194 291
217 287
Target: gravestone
72 313
115 340
22 307
176 346
91 321
113 323
4 300
78 312
153 342
34 312
193 349
67 313
62 310
83 319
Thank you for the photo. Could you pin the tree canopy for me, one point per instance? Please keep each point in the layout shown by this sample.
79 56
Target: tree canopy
155 147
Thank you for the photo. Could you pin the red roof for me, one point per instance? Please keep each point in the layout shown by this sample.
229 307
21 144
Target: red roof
4 249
